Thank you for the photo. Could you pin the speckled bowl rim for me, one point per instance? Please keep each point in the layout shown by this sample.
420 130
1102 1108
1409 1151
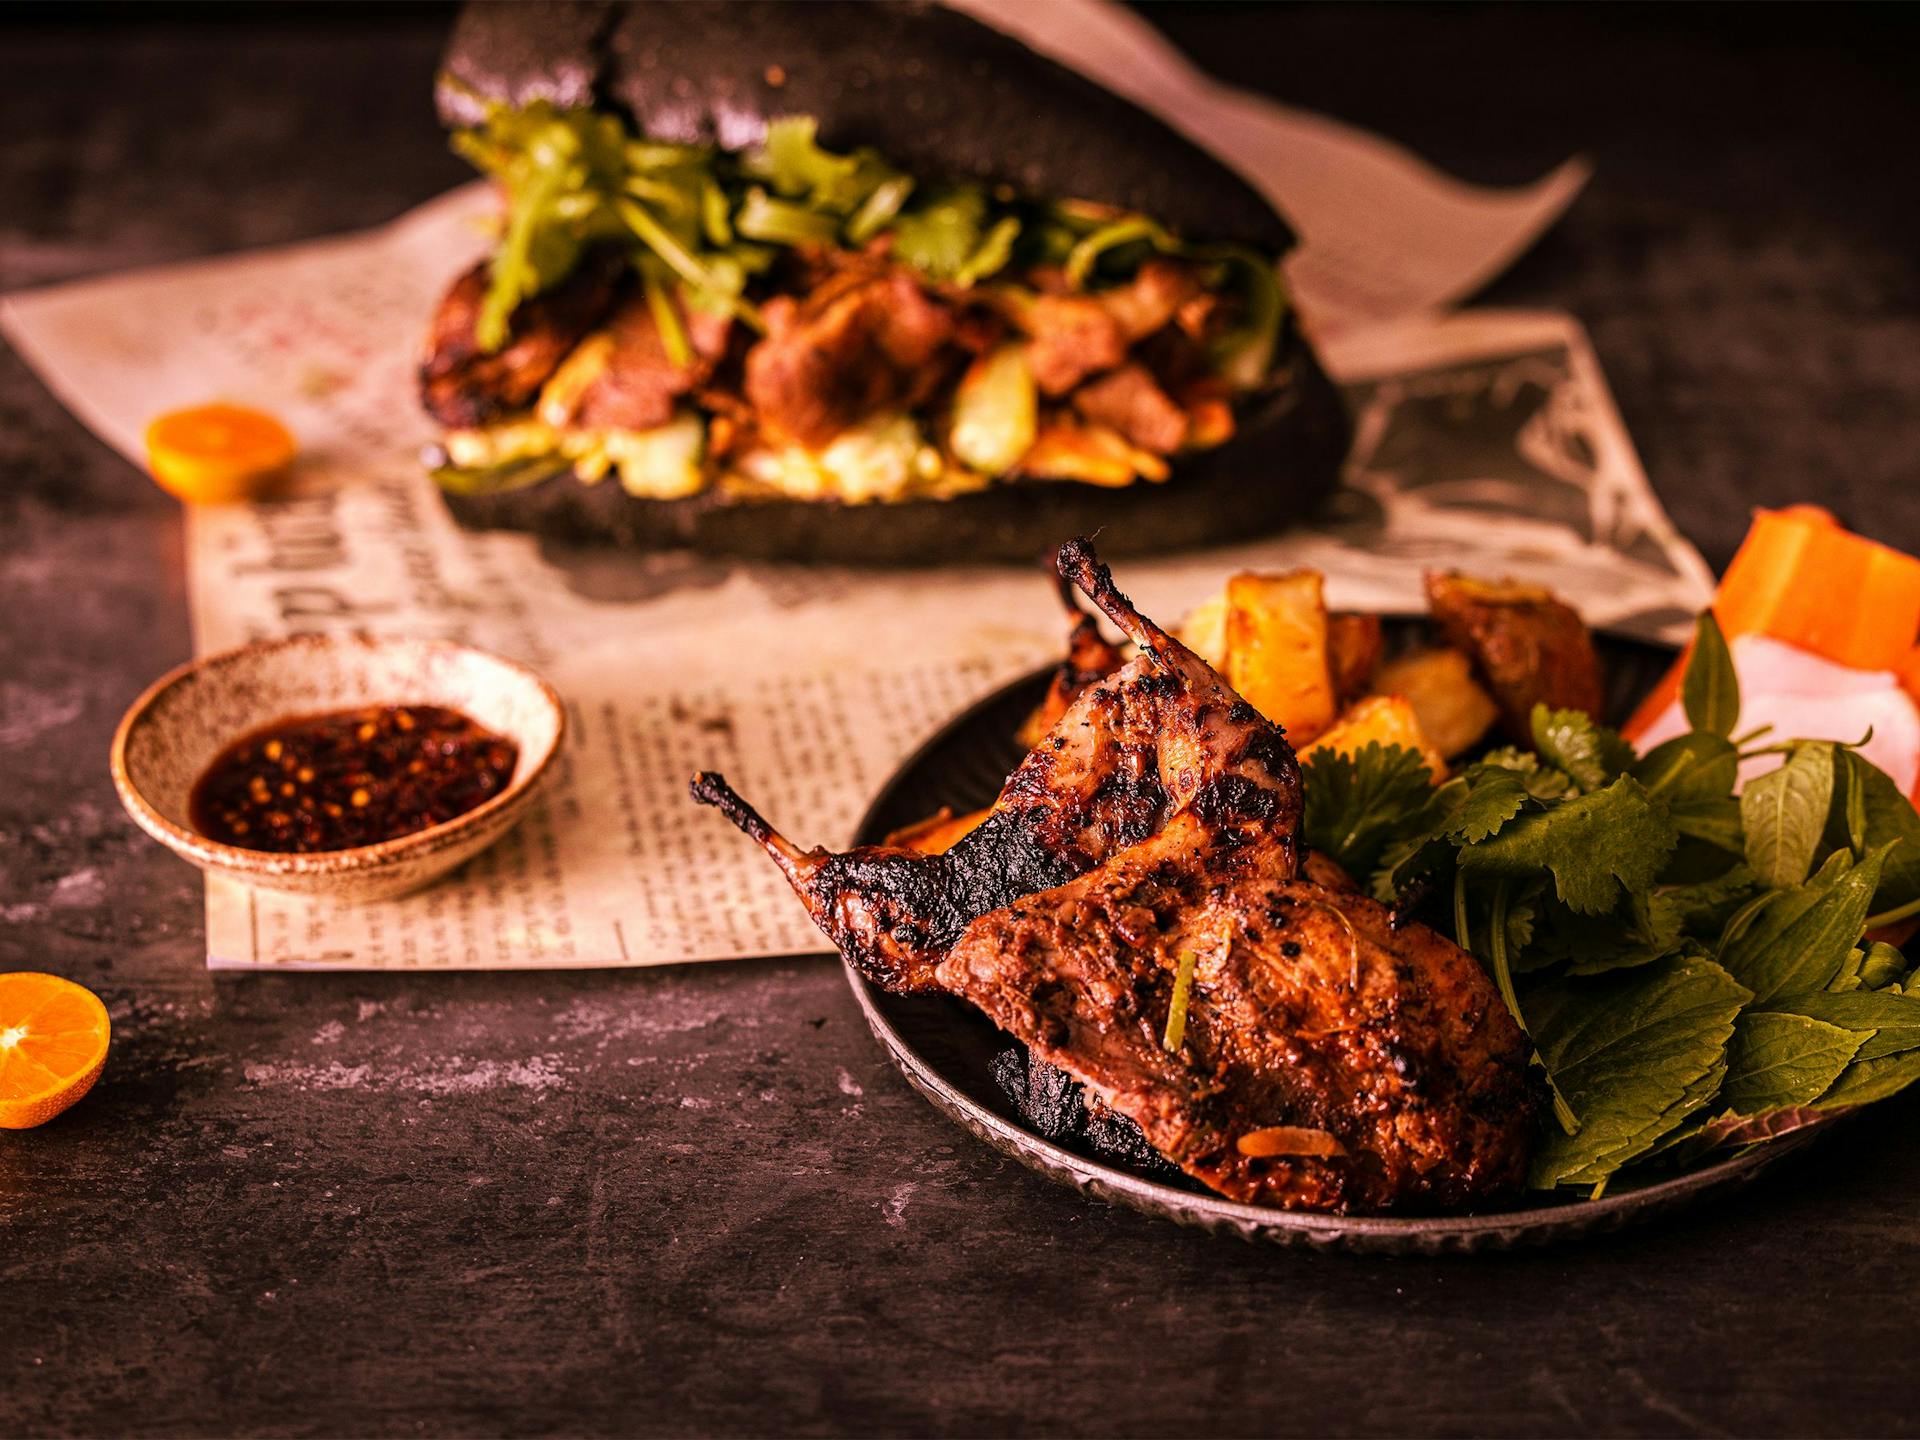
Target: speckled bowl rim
356 859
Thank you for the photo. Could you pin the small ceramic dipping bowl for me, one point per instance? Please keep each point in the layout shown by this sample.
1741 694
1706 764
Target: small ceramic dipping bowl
179 727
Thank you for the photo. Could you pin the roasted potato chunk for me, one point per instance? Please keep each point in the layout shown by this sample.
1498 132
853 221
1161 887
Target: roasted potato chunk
1526 646
1453 711
1353 654
1388 719
1204 631
1277 650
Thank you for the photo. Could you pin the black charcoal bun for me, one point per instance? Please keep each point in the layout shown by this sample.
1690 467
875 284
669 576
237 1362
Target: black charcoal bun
942 95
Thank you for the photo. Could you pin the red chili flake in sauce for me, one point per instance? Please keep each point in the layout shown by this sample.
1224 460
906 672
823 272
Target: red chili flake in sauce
350 777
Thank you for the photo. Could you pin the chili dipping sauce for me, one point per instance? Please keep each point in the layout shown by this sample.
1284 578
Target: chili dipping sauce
349 777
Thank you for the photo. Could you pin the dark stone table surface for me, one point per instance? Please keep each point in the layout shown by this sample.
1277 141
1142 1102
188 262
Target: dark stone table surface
697 1199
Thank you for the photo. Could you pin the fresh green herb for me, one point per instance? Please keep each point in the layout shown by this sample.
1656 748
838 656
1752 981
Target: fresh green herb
1636 1054
1779 1061
1176 1031
1887 814
938 238
1588 753
1693 967
1710 690
993 253
1497 938
1693 776
1592 844
782 222
1784 813
1355 803
560 169
1133 229
575 179
1800 937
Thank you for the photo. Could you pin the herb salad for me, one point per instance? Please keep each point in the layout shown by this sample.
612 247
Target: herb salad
1699 965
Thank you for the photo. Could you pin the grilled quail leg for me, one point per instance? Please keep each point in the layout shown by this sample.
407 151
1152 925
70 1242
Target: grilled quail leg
1162 734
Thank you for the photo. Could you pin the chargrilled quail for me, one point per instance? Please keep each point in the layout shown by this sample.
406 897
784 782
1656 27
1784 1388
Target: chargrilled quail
1326 1059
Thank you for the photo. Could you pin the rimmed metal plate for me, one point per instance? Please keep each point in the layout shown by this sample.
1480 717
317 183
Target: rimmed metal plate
944 1048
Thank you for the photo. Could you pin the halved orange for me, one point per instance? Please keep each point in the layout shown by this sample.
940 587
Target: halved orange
53 1044
216 453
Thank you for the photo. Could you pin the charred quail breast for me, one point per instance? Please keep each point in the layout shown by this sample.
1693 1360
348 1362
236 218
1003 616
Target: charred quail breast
1327 1061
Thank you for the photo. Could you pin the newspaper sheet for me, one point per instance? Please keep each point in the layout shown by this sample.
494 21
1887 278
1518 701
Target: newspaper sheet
1486 440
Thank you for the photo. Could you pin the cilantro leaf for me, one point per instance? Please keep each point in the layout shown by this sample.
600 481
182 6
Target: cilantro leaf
1778 1061
1496 796
1784 813
1542 782
1636 1054
1571 740
1593 845
1356 804
1466 810
1710 690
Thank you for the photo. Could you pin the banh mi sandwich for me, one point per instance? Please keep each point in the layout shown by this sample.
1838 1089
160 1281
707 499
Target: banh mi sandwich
862 282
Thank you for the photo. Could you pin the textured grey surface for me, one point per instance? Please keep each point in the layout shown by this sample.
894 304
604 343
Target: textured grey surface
699 1200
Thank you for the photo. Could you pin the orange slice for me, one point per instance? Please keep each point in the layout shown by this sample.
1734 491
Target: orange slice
53 1043
216 453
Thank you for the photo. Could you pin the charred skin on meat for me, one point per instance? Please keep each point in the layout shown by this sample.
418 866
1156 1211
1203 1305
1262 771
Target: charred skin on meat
1329 1060
1161 735
1091 658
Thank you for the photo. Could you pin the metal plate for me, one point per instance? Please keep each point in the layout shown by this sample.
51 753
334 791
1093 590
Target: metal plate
944 1047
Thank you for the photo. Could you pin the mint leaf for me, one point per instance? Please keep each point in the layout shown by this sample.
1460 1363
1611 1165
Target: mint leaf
1798 939
1888 815
1710 690
1592 845
1889 1023
1865 1081
1778 1061
1570 740
1882 965
1635 1054
1356 804
1888 1059
1704 907
1785 814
